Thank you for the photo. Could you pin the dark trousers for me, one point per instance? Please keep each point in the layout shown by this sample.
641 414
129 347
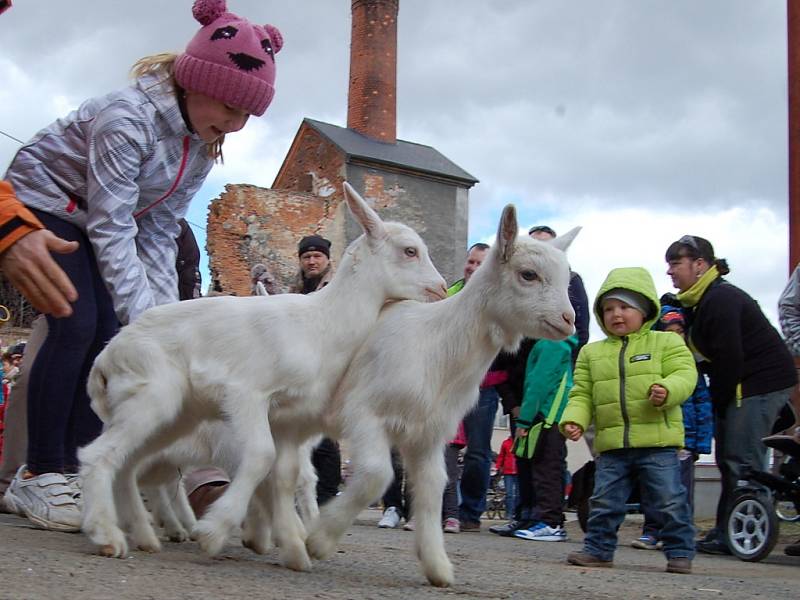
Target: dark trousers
60 419
541 480
327 460
397 493
478 425
737 437
450 497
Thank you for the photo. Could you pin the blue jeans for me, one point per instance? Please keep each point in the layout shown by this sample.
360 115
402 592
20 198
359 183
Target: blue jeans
478 425
512 495
659 476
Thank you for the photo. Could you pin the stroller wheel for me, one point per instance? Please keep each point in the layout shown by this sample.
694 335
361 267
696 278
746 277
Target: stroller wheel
752 526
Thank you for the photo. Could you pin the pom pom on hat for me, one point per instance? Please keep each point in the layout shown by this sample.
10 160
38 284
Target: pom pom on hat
206 11
230 59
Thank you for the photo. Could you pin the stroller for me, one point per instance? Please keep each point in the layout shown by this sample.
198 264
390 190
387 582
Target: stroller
762 499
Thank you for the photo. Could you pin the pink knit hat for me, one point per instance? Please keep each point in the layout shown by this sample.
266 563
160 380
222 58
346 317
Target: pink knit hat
230 59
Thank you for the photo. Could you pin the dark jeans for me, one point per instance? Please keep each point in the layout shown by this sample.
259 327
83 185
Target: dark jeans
60 419
450 497
478 425
512 494
327 461
541 480
658 473
653 519
397 493
737 438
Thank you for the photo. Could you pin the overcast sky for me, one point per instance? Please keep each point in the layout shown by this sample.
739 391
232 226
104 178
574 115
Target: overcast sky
639 120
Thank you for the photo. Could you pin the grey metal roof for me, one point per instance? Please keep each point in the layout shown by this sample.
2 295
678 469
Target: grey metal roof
401 154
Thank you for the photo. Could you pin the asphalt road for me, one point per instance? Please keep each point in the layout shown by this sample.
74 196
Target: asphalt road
373 563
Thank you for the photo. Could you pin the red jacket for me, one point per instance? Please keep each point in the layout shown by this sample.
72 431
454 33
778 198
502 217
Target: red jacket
506 461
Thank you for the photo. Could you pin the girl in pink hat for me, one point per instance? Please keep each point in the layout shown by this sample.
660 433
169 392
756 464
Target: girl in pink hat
116 175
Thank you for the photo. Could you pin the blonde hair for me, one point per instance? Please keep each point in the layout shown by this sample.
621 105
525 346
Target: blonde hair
163 65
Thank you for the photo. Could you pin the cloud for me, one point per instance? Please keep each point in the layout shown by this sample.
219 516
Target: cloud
639 120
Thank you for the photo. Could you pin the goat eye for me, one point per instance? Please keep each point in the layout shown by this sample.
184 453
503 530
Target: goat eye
529 275
227 33
411 252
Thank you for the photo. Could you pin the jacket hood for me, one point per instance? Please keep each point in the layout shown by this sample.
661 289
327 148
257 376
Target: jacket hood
636 279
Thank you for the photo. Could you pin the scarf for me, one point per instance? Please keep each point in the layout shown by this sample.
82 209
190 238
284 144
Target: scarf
692 296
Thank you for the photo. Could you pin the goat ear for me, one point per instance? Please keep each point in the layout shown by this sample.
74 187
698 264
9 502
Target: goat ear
563 242
507 232
368 219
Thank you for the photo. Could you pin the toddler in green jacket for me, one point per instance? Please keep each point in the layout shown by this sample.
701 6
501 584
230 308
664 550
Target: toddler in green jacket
632 384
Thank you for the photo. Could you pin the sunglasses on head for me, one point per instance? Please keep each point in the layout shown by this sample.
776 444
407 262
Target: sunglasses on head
689 240
543 229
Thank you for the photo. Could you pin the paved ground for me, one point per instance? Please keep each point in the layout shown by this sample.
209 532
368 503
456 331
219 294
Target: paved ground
373 563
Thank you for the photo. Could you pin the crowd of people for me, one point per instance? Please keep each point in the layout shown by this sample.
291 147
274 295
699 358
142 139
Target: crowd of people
92 233
672 374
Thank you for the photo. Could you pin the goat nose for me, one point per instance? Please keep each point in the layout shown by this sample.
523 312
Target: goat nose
568 319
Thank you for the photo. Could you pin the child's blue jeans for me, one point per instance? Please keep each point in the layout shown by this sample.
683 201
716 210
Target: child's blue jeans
658 472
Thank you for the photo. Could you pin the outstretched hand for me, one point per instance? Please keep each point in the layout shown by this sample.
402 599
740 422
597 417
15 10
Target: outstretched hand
30 268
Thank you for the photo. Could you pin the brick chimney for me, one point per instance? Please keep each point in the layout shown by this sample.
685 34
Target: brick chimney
372 100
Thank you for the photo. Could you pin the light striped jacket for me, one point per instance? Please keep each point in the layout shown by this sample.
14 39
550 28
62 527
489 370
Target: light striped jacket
123 168
789 312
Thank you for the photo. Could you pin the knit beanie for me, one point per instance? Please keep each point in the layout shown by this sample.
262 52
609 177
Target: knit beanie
230 59
314 242
631 298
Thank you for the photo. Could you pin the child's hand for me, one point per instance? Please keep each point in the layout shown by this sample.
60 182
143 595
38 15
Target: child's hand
573 431
520 432
658 395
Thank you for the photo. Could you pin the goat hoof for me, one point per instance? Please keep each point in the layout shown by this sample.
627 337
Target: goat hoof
177 536
146 541
320 546
113 550
440 576
296 560
211 537
256 545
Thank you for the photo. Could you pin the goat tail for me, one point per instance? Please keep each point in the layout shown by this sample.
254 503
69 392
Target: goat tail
97 388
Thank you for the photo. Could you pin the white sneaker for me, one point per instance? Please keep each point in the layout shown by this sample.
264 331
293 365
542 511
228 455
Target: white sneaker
75 484
390 519
47 500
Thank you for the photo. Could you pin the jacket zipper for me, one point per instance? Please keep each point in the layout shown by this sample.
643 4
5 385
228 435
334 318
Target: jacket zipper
626 442
181 169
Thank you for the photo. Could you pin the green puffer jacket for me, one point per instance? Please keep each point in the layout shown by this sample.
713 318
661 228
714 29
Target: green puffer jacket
613 378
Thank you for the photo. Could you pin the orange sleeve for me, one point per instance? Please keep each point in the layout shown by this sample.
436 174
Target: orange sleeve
16 221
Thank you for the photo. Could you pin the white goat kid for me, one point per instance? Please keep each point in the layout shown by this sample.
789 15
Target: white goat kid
237 359
213 443
418 373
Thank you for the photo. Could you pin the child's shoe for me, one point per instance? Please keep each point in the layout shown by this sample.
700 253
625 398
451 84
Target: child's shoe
451 525
647 542
541 532
584 559
679 565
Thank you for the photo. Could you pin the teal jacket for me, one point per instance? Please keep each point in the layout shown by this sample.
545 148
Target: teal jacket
548 380
613 378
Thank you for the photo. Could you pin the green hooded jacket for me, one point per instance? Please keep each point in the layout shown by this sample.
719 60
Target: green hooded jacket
613 377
